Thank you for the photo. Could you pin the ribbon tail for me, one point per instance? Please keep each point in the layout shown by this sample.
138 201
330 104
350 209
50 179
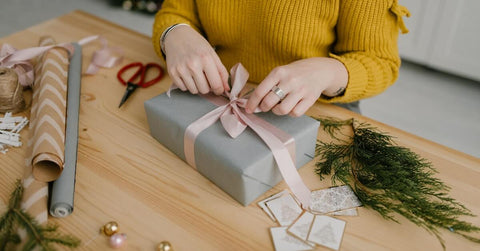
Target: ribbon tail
239 76
232 124
29 53
92 69
194 129
104 57
87 40
284 162
172 87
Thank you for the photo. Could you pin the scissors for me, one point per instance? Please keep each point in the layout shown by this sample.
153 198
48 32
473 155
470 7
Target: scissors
141 72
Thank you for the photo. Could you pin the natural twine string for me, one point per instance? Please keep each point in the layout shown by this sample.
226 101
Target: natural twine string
11 92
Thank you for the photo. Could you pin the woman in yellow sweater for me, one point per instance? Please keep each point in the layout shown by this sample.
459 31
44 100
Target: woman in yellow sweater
297 51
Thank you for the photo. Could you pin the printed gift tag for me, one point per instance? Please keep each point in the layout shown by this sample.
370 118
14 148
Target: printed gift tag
285 242
285 209
301 226
303 230
334 199
327 231
262 204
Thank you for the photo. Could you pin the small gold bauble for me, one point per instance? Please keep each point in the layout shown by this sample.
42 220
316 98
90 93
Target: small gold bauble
110 228
164 246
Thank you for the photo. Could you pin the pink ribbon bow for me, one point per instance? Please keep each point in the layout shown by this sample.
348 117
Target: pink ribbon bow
234 120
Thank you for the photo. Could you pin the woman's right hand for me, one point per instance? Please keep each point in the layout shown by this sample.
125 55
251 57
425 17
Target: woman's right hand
192 62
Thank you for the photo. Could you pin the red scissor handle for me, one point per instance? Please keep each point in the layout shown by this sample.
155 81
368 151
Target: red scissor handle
141 72
156 79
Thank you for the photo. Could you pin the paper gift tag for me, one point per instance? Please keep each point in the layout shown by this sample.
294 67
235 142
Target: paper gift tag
285 209
262 204
285 242
334 199
301 226
327 231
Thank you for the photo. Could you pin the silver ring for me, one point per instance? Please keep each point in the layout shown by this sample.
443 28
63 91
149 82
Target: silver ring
279 92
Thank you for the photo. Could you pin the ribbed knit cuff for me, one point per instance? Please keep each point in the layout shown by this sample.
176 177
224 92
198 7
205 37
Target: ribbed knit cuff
357 81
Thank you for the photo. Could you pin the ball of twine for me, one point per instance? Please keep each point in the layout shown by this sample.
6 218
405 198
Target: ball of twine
11 92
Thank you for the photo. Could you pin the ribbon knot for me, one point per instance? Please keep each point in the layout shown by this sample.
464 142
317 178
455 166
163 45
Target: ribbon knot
230 119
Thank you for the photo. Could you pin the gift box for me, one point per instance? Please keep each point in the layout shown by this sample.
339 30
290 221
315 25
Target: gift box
243 167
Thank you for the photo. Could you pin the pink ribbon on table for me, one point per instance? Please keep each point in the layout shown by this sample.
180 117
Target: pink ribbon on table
104 57
19 60
235 121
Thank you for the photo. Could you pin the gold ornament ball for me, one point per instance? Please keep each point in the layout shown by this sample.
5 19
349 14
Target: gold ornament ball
164 246
110 228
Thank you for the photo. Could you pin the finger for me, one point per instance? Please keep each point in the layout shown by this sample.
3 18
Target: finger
177 81
188 81
214 78
190 84
222 71
287 105
195 70
262 91
269 101
272 99
302 107
201 81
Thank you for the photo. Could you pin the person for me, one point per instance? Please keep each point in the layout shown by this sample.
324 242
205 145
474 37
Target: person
298 52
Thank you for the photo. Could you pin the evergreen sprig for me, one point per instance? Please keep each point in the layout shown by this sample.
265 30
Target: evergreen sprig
391 179
37 235
333 126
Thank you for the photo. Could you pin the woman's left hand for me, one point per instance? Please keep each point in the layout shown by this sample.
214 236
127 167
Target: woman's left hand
303 82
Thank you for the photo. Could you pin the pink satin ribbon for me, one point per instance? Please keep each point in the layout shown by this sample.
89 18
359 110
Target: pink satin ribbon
19 60
235 121
287 140
106 57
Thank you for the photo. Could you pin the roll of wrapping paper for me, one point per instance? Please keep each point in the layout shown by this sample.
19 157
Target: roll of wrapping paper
48 114
35 193
62 193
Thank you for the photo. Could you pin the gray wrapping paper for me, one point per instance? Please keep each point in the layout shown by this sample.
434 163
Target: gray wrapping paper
243 167
61 202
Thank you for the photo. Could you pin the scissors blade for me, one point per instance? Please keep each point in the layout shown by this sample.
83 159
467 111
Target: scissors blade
130 89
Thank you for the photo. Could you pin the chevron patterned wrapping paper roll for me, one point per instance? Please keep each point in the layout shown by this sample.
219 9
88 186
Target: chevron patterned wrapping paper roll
47 128
48 113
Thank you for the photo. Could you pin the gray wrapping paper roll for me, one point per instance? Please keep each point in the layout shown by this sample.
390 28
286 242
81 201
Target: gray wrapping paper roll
61 200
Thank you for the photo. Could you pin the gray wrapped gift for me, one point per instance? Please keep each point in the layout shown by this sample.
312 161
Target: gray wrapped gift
243 167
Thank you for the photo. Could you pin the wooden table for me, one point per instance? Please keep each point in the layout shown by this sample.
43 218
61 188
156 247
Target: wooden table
123 174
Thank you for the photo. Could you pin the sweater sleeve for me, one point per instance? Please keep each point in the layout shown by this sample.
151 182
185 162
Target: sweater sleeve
174 12
367 33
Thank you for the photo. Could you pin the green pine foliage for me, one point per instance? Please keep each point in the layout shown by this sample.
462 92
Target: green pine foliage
391 179
40 236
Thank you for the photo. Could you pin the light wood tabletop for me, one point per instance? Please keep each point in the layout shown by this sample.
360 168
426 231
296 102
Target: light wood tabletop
125 175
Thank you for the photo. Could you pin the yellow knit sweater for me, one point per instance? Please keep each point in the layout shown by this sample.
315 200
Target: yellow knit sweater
263 34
